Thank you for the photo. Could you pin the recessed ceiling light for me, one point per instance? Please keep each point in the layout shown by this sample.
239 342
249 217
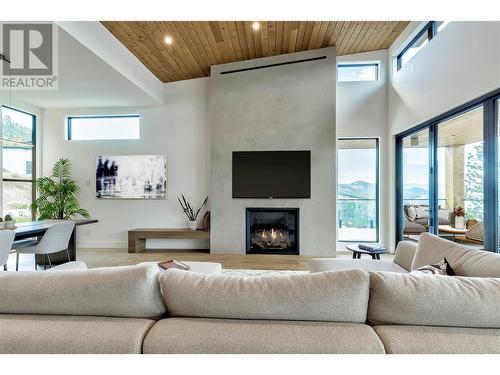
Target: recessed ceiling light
256 26
168 40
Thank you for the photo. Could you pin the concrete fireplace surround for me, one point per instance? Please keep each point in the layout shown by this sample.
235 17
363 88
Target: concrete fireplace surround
279 106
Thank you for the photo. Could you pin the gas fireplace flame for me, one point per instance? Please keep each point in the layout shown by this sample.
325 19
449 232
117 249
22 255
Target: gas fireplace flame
271 238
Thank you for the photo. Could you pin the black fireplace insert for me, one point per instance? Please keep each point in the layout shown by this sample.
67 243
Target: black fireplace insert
272 230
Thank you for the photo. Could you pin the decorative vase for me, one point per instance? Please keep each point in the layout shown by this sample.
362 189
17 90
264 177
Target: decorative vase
205 222
10 224
459 222
193 225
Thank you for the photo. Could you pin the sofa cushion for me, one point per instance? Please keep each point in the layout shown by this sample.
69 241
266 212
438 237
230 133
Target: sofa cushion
216 336
433 300
405 251
438 340
328 296
464 260
413 228
54 334
130 291
333 264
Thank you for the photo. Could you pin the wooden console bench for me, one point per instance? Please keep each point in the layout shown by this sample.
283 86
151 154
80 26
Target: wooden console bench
137 237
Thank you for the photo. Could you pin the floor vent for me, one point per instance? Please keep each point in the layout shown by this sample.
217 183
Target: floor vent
273 65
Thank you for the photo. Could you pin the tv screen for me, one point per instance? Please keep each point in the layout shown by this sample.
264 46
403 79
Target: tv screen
271 174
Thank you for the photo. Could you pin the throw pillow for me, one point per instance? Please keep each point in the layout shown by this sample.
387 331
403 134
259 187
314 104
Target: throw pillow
444 216
476 232
412 213
422 212
442 268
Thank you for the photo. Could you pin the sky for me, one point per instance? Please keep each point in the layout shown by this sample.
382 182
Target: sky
416 168
356 165
365 73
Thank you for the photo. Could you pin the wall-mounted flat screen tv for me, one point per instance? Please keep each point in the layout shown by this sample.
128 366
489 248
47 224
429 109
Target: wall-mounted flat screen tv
271 174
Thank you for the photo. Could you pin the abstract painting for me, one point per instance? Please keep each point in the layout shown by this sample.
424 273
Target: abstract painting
131 177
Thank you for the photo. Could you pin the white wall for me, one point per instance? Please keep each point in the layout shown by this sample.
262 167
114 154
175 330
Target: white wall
461 63
362 112
177 129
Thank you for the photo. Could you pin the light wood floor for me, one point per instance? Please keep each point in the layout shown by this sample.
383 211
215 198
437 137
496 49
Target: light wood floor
120 257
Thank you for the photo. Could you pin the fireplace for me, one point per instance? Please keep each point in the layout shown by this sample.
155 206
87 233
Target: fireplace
272 231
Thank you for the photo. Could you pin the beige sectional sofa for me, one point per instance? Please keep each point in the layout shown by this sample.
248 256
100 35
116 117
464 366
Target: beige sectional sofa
141 309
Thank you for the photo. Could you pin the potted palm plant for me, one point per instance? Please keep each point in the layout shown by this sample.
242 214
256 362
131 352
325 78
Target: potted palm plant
191 214
58 194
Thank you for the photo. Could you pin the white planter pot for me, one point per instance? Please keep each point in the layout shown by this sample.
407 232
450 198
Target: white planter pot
193 225
2 225
10 224
459 222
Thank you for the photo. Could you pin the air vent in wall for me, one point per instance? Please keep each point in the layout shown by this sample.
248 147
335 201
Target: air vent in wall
273 65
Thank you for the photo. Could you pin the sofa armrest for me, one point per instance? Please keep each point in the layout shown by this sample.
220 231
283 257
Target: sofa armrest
405 253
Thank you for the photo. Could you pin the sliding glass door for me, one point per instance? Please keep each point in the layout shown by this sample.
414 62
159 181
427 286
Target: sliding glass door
447 176
357 200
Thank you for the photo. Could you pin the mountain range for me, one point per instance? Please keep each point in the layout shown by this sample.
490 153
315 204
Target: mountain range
367 190
357 190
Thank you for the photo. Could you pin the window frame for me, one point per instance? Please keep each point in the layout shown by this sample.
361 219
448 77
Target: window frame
360 64
33 156
489 102
69 131
430 28
377 190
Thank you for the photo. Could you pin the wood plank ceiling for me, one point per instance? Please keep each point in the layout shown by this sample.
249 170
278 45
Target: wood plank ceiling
198 45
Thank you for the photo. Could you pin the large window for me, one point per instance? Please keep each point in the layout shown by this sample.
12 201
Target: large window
95 128
415 183
358 72
357 197
429 31
18 159
451 162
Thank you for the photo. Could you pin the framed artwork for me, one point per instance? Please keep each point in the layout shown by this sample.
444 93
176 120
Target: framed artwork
131 177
